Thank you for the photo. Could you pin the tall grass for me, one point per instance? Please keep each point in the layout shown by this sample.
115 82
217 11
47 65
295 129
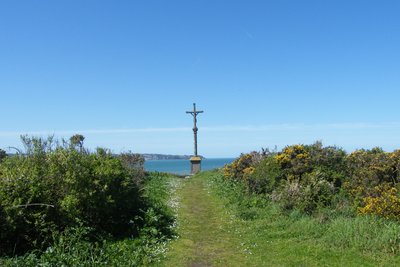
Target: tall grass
367 235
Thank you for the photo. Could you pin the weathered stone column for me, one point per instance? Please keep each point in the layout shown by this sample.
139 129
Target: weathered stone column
195 165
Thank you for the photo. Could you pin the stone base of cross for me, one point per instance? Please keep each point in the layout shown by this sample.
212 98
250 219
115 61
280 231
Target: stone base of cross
195 165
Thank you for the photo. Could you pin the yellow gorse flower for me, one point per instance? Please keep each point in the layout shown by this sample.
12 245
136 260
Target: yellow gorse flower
386 205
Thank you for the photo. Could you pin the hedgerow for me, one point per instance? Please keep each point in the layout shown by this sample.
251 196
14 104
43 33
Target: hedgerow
53 187
310 178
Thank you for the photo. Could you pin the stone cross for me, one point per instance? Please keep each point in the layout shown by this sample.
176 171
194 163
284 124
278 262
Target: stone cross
195 161
195 129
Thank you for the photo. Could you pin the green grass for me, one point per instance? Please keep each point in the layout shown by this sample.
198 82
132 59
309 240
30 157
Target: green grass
219 225
204 228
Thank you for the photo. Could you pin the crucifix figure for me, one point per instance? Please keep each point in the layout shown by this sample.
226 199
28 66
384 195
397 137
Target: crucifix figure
195 129
195 160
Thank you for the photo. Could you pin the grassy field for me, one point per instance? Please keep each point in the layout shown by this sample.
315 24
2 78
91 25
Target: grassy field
220 226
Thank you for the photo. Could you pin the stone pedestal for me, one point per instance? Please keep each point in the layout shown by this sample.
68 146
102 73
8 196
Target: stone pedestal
195 165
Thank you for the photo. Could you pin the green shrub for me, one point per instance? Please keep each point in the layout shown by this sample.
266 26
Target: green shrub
386 204
158 217
52 188
84 246
367 170
265 177
306 197
330 161
241 168
312 177
318 192
294 160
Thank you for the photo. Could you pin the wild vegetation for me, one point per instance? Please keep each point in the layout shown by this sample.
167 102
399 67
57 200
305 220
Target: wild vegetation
221 223
348 200
313 178
271 235
61 205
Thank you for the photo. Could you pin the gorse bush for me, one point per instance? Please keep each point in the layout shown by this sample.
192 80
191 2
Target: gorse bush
309 178
54 187
239 168
368 169
265 176
294 160
386 204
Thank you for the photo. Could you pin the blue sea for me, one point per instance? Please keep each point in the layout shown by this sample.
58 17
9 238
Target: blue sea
181 166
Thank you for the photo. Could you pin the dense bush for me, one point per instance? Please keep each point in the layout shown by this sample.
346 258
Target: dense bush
74 247
54 187
265 177
238 169
294 161
309 178
386 204
368 169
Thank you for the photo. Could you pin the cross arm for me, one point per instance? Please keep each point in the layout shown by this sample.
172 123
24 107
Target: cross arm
192 112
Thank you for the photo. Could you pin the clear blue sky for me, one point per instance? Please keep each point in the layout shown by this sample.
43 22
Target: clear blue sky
266 73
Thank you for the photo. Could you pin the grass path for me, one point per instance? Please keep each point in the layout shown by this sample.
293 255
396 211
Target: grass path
204 230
